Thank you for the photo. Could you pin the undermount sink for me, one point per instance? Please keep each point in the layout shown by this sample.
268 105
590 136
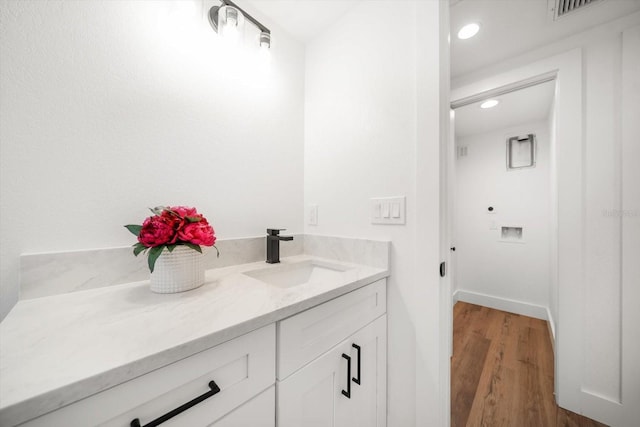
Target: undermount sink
299 273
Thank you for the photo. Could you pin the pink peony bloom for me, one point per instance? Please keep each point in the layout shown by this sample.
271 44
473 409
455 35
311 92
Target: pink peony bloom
198 233
158 230
185 211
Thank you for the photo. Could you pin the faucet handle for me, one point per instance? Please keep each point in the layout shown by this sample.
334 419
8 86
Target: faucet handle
274 231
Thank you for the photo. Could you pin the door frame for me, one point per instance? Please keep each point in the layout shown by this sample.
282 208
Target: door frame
567 232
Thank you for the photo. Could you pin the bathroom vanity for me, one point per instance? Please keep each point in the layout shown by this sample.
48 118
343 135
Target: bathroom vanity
258 345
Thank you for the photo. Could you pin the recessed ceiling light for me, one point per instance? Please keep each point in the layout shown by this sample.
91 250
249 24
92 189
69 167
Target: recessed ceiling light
489 103
468 31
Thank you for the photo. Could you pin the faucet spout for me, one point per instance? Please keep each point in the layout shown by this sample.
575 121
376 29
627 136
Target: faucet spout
273 244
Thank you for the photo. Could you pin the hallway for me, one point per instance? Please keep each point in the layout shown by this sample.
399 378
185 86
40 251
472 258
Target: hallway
502 372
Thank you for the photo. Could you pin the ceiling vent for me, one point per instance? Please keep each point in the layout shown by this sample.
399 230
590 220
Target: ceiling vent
562 8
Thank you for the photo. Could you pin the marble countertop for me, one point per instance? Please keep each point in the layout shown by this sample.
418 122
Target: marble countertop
56 350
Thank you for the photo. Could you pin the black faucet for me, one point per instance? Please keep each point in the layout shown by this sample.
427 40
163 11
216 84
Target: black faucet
273 244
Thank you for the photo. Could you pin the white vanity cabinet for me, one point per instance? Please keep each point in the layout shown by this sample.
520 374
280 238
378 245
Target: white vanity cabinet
325 366
243 369
332 363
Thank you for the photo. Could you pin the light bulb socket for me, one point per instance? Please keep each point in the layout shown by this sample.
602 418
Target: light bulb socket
230 16
224 16
265 39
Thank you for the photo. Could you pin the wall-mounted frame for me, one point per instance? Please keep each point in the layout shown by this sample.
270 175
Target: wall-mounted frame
521 152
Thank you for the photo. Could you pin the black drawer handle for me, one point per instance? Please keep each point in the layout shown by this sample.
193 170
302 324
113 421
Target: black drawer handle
348 392
357 347
214 390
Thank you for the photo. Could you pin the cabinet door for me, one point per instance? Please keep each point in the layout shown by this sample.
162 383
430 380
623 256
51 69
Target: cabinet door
368 404
310 396
258 412
313 396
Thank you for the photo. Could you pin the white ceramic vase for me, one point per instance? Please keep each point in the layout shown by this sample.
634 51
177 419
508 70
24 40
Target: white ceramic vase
178 271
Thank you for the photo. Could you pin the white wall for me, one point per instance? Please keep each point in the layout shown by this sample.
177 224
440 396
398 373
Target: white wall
110 107
371 128
591 366
487 265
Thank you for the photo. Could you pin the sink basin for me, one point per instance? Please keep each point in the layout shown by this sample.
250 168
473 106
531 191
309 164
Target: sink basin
299 273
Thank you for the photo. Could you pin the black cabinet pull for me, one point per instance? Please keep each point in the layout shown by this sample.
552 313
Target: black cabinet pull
348 392
357 347
214 390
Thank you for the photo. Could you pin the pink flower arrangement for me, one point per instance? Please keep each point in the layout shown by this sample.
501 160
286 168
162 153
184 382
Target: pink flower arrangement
169 227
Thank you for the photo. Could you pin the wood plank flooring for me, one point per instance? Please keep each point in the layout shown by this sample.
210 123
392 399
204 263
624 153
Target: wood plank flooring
502 372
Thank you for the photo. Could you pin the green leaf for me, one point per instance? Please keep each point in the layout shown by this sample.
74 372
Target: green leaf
193 218
171 247
134 229
138 247
214 247
194 247
154 253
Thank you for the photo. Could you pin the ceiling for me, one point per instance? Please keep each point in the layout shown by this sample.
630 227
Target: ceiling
509 27
302 19
532 104
512 27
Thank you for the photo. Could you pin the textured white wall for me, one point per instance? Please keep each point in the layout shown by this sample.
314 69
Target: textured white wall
110 107
485 264
372 127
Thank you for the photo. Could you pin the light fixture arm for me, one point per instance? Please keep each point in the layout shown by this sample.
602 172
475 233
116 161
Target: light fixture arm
213 16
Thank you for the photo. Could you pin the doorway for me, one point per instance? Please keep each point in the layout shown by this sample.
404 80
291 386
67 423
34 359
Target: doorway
502 202
566 216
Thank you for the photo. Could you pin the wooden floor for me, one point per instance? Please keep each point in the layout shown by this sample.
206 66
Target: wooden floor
502 372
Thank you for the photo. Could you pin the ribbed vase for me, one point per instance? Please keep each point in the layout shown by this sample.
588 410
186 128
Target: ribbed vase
178 271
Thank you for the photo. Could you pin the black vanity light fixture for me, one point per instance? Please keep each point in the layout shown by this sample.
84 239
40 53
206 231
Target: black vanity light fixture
228 16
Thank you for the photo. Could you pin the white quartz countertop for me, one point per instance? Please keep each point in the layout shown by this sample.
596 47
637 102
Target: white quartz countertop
59 349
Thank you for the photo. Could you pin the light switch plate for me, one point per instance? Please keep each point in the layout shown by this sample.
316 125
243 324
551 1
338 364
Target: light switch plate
388 210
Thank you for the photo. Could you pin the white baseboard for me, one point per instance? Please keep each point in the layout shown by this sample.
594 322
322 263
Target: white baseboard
504 304
552 325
